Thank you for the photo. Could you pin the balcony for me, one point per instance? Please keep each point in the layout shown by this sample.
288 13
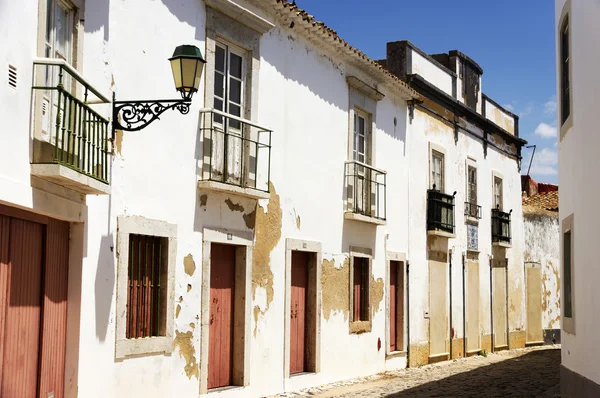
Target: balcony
71 140
365 193
440 213
472 211
501 228
236 155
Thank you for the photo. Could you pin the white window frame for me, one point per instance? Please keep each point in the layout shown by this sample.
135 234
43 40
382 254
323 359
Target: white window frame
437 151
127 225
366 136
495 194
229 49
568 323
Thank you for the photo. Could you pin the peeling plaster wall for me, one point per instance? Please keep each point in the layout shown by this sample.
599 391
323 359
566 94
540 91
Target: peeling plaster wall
541 232
423 130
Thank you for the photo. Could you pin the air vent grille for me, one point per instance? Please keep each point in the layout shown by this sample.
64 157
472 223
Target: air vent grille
12 76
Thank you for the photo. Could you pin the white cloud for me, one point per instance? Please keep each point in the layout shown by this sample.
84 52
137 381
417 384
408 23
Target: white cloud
545 162
550 106
509 107
545 130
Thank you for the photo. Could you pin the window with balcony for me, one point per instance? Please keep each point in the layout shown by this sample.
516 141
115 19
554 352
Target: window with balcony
440 206
236 149
472 210
365 184
71 134
501 233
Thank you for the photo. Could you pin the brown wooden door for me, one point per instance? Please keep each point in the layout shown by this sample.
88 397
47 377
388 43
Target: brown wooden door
220 332
299 288
21 261
393 305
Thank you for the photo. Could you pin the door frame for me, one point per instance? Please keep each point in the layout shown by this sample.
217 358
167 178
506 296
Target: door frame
243 241
389 257
314 273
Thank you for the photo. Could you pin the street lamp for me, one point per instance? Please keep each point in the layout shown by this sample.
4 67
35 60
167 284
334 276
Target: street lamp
187 64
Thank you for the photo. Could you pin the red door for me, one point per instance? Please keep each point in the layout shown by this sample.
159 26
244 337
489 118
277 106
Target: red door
220 331
21 259
393 303
299 285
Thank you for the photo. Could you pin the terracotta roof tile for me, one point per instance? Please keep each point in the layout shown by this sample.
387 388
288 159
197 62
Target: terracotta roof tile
546 201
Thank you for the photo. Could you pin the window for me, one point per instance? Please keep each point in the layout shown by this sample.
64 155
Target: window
360 148
567 276
361 289
472 185
565 85
497 193
145 304
229 82
58 39
146 291
437 170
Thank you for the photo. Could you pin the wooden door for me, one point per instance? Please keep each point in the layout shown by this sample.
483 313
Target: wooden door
473 340
299 288
500 305
21 260
534 303
220 332
393 305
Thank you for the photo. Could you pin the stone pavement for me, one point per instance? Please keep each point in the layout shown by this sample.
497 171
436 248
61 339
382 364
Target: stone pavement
529 372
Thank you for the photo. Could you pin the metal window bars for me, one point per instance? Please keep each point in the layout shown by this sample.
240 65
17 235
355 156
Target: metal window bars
78 134
440 211
236 151
365 189
501 226
146 302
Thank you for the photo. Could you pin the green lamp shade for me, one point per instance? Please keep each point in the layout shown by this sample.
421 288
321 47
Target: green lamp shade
187 64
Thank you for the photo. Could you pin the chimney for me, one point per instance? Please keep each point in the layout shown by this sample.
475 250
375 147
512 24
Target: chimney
396 53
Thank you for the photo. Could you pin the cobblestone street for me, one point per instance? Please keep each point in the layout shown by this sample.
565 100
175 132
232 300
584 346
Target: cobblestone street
531 372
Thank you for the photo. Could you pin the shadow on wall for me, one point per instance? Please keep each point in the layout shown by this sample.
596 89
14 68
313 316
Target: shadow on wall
181 10
104 286
535 374
96 16
358 234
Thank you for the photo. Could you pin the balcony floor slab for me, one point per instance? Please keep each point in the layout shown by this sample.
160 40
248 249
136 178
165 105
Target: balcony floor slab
233 189
69 178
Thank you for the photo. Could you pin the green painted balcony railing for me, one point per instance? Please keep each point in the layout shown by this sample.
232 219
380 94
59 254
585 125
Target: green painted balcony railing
72 133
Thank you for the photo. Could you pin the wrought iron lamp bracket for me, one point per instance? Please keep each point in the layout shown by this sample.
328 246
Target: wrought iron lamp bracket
136 115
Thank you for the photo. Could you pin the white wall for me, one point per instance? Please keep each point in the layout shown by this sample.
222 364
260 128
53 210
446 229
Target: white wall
577 176
498 116
424 130
434 74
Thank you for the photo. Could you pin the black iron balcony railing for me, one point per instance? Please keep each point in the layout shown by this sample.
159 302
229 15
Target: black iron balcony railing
472 210
501 226
236 151
365 190
70 132
440 211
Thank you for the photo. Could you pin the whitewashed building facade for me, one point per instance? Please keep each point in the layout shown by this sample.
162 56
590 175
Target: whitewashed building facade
284 233
577 62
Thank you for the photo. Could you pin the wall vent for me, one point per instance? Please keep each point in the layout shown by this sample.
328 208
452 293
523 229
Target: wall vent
12 76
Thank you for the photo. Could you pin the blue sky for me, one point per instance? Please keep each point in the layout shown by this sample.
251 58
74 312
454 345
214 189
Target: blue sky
512 40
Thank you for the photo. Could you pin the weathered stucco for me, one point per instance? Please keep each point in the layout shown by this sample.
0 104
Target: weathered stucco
234 206
267 231
184 341
189 265
335 284
541 233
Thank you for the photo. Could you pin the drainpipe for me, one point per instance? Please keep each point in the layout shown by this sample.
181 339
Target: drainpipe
464 291
506 306
407 315
450 283
491 306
